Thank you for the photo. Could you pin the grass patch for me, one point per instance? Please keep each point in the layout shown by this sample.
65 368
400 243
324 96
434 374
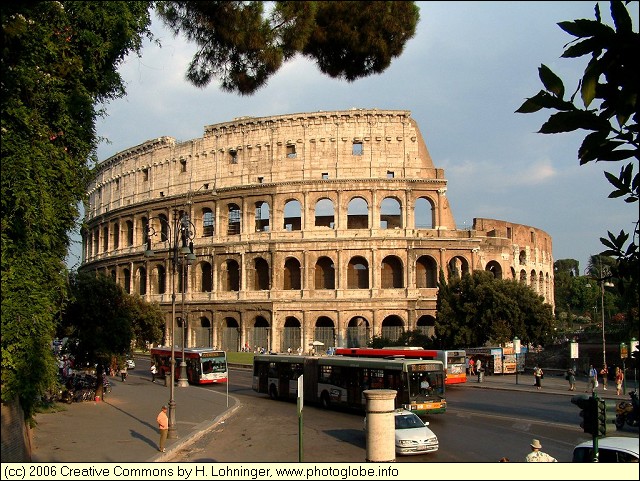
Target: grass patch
47 408
240 357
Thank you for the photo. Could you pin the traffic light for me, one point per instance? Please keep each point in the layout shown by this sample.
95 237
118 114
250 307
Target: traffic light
588 413
602 417
609 417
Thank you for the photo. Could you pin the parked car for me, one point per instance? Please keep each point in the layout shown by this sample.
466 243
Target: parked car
614 449
131 364
412 436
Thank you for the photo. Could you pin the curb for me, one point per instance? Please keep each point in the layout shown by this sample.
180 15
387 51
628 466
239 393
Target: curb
199 431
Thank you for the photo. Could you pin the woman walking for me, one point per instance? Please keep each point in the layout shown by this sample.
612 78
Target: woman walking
619 380
537 374
571 377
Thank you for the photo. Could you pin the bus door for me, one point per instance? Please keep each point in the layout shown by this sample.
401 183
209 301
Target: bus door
353 378
284 374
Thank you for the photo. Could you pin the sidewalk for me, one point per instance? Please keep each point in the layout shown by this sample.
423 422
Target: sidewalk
123 428
555 384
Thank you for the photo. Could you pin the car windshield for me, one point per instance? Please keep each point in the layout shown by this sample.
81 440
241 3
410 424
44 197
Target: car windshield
408 421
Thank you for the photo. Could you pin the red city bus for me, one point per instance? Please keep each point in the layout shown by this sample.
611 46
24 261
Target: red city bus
454 361
204 365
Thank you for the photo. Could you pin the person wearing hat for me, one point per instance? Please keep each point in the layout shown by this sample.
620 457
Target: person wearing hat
163 426
537 456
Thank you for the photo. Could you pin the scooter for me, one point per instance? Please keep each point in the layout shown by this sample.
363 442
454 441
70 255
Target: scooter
627 412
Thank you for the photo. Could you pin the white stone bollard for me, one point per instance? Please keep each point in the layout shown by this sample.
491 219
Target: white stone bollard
380 435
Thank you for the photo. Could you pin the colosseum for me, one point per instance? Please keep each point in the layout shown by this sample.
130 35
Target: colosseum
293 230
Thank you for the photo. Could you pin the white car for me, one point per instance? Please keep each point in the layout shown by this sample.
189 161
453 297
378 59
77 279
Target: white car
131 364
613 449
412 436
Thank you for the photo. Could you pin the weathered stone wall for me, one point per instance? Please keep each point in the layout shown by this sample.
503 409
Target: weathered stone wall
16 444
330 225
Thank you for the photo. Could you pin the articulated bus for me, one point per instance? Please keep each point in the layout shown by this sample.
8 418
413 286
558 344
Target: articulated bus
204 365
339 381
454 361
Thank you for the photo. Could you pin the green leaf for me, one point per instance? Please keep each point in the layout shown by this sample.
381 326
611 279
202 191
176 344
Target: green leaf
551 81
570 121
621 18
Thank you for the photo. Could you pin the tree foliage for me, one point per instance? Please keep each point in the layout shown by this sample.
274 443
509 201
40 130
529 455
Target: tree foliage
480 309
609 92
59 67
59 59
101 320
243 47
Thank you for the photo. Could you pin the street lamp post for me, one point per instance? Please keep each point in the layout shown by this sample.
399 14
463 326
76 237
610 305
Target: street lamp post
603 282
173 250
187 233
516 351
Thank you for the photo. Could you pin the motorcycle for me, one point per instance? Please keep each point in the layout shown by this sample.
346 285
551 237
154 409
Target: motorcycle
627 412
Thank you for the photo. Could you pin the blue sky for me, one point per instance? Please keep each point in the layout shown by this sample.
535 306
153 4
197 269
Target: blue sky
463 75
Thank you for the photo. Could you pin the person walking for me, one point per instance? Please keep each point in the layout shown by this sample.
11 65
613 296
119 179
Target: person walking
537 375
537 455
619 380
471 368
154 371
571 377
604 372
163 427
123 372
593 379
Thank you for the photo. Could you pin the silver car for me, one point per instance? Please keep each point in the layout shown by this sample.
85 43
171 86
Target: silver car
412 436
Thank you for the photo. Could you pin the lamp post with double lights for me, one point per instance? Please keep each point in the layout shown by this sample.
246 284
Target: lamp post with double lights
177 230
603 281
187 233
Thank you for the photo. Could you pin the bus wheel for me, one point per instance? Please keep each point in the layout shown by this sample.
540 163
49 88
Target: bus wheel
273 393
325 400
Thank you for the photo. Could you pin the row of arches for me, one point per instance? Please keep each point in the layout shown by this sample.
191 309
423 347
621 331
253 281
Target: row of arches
231 219
390 275
229 272
231 335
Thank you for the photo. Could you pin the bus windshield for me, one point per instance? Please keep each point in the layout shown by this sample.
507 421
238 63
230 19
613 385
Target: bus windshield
425 384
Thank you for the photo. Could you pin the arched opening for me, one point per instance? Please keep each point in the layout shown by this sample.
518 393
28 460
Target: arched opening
358 214
208 222
292 215
291 335
231 280
426 325
424 213
202 332
230 335
291 274
358 332
206 277
358 273
325 213
325 274
457 267
262 216
391 274
325 332
392 328
426 272
234 220
390 214
261 274
495 268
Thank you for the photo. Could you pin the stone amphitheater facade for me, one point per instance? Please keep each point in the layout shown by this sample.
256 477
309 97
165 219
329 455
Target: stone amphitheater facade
321 226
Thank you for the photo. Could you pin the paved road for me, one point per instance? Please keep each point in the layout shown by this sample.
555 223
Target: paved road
123 427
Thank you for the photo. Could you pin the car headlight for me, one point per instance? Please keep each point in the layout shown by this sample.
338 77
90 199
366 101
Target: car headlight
433 440
405 442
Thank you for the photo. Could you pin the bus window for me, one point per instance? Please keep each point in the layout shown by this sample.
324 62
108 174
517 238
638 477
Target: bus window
207 367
